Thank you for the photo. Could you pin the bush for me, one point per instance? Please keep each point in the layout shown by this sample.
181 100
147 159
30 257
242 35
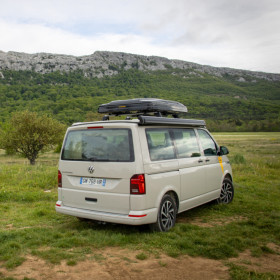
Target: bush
29 133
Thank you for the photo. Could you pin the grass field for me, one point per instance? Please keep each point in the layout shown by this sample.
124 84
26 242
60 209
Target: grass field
30 225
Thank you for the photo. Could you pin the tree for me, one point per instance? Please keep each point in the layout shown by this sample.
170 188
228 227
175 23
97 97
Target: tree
29 134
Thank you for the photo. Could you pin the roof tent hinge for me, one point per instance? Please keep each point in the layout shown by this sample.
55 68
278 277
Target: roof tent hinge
105 118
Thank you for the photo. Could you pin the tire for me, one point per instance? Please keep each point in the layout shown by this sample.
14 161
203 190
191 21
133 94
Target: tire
227 192
166 217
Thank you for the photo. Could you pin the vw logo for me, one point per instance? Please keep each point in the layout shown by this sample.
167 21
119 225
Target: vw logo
90 169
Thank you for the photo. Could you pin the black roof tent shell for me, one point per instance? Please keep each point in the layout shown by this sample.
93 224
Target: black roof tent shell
143 106
150 111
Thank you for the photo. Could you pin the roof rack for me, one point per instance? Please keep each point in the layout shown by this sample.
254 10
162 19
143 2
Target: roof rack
149 120
142 107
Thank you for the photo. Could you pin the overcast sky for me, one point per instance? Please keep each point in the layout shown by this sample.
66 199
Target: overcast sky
242 34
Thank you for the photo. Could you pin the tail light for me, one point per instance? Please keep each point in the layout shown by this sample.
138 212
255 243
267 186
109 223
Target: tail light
59 179
137 184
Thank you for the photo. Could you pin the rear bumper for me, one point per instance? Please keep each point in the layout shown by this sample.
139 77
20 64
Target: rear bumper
148 216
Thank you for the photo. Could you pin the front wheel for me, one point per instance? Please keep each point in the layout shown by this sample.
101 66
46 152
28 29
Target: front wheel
227 192
166 214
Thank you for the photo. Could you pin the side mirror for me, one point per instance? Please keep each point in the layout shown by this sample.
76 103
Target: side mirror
222 151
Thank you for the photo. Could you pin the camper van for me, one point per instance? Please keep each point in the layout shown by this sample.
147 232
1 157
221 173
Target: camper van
143 169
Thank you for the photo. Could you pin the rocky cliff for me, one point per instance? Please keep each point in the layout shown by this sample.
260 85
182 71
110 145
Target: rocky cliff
103 63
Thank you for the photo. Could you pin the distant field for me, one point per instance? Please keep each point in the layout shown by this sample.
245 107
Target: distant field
30 226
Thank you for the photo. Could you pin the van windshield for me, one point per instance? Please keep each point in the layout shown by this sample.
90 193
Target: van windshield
99 145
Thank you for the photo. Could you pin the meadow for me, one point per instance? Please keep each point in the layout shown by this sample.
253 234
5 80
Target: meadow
29 224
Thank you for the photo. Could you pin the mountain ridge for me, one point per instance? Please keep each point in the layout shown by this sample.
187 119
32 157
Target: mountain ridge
105 63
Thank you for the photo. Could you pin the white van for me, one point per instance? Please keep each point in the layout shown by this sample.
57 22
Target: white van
141 171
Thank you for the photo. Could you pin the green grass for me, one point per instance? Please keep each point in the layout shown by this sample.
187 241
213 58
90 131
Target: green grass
141 256
30 225
240 273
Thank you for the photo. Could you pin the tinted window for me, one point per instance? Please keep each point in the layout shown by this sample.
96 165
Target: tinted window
160 144
208 145
186 143
98 145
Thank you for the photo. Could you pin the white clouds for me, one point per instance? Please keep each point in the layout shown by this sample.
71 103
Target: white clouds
241 33
32 38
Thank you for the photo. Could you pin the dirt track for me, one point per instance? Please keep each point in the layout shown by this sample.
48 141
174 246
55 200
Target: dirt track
114 263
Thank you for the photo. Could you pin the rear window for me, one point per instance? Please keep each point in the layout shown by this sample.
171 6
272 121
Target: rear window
99 145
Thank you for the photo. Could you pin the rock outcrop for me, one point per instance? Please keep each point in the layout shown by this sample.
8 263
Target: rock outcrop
102 63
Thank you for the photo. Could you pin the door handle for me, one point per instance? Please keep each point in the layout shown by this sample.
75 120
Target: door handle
200 161
206 160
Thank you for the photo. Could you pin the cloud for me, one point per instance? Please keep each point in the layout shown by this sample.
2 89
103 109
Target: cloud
32 38
241 33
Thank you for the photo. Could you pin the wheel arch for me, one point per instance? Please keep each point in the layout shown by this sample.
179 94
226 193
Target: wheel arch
172 192
228 176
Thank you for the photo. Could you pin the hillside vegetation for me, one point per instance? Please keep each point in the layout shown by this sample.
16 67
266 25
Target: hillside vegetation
227 103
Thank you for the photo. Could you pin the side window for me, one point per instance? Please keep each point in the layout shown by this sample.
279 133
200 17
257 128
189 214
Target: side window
208 145
186 143
160 144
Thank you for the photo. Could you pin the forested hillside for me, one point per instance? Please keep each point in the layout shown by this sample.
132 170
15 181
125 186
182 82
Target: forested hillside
227 103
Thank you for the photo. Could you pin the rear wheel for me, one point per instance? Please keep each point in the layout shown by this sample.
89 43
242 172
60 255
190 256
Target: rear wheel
227 192
166 214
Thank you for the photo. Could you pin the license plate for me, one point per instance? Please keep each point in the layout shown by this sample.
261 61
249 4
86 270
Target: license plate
93 181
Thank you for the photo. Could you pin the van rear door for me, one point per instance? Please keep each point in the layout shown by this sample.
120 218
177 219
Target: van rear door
96 166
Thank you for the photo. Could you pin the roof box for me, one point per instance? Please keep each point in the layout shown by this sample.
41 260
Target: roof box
143 106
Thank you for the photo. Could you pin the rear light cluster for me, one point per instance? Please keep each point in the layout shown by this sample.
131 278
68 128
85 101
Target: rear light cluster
137 184
59 179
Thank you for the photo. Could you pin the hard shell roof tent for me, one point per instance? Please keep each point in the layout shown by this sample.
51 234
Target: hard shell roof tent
150 111
143 107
